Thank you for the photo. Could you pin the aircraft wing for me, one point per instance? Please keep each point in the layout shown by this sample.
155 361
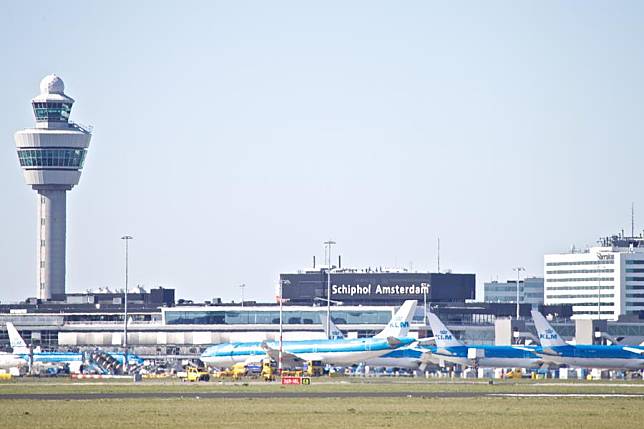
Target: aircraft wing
547 351
443 352
633 350
527 349
274 354
393 342
255 359
426 341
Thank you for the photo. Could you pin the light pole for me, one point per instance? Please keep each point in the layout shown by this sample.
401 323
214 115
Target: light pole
424 286
600 258
281 345
328 243
242 286
127 239
518 270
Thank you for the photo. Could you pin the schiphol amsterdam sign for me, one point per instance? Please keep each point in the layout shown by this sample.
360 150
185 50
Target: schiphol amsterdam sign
377 289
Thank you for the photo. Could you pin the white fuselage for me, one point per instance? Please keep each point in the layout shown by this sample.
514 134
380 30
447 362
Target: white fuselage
339 358
398 362
10 360
496 362
601 363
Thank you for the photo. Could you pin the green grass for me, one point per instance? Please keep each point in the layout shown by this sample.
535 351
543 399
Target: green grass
416 412
498 413
53 386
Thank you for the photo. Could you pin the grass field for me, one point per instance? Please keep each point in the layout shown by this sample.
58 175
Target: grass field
405 412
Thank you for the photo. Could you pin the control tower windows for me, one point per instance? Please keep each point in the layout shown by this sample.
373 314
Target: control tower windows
52 111
73 158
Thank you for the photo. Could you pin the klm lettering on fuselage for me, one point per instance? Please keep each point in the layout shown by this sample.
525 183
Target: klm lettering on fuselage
379 290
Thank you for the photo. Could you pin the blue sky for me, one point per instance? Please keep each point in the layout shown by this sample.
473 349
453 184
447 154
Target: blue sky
231 139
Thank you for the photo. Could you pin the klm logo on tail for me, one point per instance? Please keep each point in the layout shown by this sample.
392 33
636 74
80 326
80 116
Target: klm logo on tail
444 336
549 334
397 324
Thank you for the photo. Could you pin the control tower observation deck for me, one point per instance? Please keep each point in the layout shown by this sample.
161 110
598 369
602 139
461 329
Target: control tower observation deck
51 156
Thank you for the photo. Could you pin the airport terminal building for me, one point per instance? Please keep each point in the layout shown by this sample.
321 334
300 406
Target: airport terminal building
391 287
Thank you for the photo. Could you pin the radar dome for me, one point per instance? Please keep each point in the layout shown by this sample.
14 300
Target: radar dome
52 84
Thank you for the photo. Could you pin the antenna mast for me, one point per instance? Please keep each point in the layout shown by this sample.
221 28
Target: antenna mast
439 254
633 219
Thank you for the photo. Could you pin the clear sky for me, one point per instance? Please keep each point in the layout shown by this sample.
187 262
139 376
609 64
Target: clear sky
232 138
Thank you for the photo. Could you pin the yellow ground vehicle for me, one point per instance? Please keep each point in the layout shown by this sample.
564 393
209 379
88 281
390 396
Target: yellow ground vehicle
268 370
314 368
197 374
515 373
238 370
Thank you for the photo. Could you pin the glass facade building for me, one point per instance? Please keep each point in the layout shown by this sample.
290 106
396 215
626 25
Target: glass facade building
530 291
271 316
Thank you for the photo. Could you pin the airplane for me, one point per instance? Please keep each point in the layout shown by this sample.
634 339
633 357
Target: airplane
12 360
43 360
408 357
449 349
340 352
555 350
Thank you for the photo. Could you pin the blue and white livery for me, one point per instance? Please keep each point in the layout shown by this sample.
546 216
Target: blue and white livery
341 352
555 350
450 349
41 360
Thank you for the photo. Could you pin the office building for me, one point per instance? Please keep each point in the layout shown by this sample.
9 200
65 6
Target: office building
530 291
603 282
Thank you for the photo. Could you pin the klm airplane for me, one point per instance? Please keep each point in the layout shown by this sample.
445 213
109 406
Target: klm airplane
555 350
449 349
12 360
341 352
41 359
411 357
44 360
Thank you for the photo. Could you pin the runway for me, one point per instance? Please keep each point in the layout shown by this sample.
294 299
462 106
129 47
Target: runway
300 395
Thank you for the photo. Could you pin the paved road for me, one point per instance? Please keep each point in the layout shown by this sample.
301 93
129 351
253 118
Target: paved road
268 395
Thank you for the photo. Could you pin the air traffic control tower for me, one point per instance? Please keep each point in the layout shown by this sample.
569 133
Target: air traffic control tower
51 156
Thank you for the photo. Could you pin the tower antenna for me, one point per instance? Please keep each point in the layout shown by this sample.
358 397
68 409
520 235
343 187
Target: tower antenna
632 219
439 254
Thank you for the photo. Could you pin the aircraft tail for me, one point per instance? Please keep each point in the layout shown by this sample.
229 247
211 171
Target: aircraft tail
17 343
398 326
334 332
442 335
547 335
